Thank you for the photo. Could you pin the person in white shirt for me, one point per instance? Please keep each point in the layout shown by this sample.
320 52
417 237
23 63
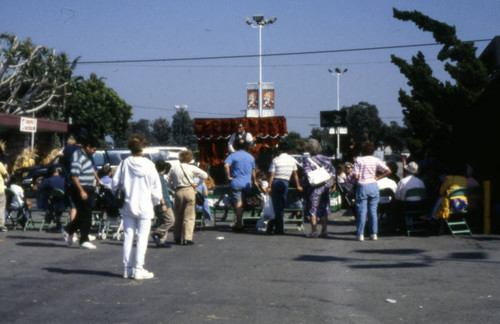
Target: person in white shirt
282 168
137 177
181 179
240 134
409 182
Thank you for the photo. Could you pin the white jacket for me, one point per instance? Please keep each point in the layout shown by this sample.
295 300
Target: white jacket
142 186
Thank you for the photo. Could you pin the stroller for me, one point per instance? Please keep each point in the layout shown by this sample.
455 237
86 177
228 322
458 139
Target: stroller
108 218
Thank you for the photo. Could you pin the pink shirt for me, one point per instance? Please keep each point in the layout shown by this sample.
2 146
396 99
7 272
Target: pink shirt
366 167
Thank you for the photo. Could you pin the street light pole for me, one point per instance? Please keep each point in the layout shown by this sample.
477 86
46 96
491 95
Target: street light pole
337 72
260 23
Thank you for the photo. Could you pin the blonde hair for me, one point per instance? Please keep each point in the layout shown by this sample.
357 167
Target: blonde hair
185 156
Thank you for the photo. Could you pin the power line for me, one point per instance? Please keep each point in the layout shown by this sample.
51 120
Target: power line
201 58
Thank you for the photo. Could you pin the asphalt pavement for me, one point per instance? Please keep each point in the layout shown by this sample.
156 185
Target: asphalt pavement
251 277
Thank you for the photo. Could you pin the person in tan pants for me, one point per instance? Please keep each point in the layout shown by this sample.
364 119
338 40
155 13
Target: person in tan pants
181 177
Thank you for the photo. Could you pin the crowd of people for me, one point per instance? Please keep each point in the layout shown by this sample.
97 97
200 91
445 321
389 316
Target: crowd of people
140 191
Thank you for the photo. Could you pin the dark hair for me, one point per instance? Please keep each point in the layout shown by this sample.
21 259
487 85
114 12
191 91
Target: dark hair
91 141
393 166
283 146
367 148
105 170
136 144
239 144
161 165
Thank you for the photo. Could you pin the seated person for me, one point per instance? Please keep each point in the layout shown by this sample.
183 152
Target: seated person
205 209
105 176
56 205
386 183
18 202
454 179
394 170
409 182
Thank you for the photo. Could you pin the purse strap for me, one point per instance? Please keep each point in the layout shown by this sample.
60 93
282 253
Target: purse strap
185 175
316 164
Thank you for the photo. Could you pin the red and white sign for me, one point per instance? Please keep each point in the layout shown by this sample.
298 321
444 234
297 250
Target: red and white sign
28 125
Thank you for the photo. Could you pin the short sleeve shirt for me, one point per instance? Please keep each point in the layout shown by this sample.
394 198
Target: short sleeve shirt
241 163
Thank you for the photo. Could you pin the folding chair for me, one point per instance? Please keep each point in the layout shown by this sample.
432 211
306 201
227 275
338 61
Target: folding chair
15 216
413 211
292 222
35 214
57 206
456 218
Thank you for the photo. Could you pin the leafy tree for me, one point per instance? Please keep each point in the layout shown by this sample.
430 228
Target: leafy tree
183 129
99 108
437 113
363 123
33 79
143 127
294 141
395 136
161 130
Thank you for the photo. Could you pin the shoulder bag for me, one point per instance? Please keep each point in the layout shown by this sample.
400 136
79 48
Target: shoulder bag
318 176
120 193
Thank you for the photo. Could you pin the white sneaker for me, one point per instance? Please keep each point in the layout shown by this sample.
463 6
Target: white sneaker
67 238
87 245
360 238
141 273
374 237
128 272
91 238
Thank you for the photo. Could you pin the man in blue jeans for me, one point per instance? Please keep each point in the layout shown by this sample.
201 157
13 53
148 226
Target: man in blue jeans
239 168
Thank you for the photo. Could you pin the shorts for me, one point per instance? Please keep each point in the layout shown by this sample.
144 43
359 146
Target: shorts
236 194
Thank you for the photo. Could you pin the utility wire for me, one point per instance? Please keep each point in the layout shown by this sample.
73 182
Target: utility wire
271 54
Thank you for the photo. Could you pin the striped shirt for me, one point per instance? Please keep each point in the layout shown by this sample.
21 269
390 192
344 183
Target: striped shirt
82 167
283 166
366 168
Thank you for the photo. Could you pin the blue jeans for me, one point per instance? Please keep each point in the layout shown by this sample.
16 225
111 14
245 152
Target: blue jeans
279 193
367 197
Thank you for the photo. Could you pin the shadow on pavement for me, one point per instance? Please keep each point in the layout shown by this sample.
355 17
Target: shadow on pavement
320 258
392 251
390 265
84 272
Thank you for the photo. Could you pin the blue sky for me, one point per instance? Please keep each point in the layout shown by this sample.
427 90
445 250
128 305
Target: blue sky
129 30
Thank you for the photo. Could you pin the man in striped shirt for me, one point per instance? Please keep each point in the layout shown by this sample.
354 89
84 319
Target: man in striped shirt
82 191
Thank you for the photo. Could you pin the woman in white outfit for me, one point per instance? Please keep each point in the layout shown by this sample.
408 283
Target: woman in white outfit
137 177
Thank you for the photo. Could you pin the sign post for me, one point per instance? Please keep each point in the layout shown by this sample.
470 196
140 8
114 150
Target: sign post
28 125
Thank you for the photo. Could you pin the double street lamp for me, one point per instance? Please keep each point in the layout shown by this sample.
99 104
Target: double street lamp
260 22
337 72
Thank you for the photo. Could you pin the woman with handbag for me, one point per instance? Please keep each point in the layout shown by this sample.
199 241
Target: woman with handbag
137 179
181 178
319 170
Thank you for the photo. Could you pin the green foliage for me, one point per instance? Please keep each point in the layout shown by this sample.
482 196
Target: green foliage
161 130
183 130
99 108
363 122
294 141
437 113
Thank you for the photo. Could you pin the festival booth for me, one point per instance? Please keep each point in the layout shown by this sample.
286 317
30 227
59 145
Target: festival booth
213 135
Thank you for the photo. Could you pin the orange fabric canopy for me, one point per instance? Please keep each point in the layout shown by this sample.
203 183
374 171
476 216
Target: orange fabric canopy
213 136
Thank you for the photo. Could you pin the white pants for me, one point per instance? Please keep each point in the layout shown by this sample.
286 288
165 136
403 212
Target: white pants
130 226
